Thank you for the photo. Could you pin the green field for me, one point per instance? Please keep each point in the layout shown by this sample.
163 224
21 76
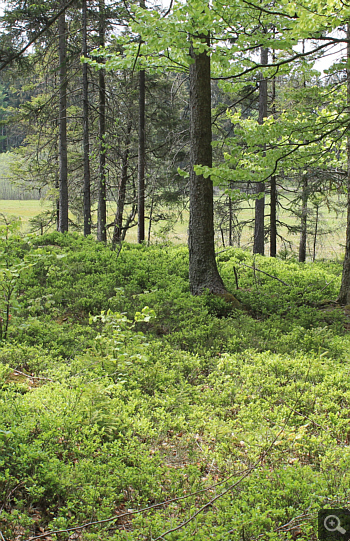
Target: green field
329 245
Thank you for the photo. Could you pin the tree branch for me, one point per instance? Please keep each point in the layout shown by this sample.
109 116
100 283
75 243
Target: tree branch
49 24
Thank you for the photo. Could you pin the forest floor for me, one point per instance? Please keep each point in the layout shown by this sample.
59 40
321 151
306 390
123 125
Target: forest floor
130 410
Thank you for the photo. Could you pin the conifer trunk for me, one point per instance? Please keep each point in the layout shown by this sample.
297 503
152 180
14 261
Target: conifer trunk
141 159
273 186
141 153
118 222
273 217
344 295
303 225
230 220
259 225
87 199
63 162
102 204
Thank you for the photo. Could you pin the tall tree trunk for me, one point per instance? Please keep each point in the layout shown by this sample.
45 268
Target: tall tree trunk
273 217
63 164
150 221
259 225
141 156
118 222
303 225
344 294
203 272
315 233
230 219
57 204
102 204
87 200
273 185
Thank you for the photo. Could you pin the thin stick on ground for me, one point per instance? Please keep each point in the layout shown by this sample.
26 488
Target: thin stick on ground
255 269
130 513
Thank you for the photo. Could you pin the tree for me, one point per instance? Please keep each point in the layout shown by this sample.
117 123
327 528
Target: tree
86 133
141 153
259 224
63 165
203 272
102 194
344 294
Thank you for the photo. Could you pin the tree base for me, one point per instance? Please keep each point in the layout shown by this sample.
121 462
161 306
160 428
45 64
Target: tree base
230 299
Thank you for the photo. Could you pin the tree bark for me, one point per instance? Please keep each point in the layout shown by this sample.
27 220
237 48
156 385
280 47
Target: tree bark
102 204
118 222
87 199
259 225
315 233
303 225
203 272
344 294
273 217
141 158
273 186
230 219
63 161
57 203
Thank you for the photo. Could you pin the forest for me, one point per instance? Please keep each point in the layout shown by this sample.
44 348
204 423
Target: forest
174 270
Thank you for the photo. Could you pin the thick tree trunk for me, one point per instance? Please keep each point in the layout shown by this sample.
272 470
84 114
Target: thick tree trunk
203 272
344 295
87 200
303 225
118 222
141 156
102 204
63 162
259 225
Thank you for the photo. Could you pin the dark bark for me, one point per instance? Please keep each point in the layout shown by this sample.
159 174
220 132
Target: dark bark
87 199
315 233
344 295
102 192
259 225
230 219
303 224
273 217
57 186
203 272
63 162
118 222
141 158
150 221
141 153
273 185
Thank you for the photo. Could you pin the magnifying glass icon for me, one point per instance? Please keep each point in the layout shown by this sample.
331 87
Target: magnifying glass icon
332 524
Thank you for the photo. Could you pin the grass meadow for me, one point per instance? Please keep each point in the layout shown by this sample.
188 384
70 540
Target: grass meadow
330 229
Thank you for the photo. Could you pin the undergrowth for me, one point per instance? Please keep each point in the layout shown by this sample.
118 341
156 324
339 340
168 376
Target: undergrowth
120 391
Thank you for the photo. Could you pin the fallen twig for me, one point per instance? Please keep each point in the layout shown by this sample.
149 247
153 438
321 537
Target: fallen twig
267 274
31 377
263 455
128 513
